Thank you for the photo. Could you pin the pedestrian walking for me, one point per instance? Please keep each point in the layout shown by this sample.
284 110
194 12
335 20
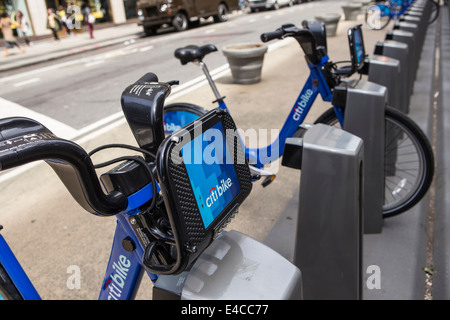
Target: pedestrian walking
53 23
89 19
10 41
71 21
23 27
63 18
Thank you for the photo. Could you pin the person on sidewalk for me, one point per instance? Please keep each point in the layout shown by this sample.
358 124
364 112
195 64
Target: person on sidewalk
23 27
53 23
71 21
10 40
89 19
63 18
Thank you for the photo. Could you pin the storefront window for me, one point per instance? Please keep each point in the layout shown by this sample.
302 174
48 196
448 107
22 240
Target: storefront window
99 8
12 7
130 8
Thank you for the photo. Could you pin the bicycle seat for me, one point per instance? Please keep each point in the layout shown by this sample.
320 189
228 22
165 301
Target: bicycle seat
23 140
193 53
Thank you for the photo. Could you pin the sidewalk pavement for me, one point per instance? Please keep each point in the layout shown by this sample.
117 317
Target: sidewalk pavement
399 250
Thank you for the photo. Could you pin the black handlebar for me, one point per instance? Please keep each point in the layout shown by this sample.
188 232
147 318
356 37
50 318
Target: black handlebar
304 36
24 140
269 36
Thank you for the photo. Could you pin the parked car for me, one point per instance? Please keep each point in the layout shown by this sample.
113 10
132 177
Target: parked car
181 14
257 5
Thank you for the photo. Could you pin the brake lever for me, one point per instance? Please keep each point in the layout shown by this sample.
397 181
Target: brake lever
173 82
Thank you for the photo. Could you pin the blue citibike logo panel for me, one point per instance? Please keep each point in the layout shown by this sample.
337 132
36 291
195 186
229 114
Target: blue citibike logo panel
175 120
213 177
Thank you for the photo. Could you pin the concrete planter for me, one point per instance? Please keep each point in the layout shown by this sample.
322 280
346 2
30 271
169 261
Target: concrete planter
352 10
365 5
331 21
246 61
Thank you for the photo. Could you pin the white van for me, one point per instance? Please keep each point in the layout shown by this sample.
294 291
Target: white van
256 5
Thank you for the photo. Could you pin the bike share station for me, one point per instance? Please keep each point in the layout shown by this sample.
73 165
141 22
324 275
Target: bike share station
404 43
347 165
330 233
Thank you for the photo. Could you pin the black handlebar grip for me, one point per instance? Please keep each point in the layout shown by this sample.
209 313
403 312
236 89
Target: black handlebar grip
268 36
24 140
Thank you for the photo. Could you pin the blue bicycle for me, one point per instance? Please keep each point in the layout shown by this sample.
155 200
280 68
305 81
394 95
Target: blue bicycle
169 209
414 164
380 14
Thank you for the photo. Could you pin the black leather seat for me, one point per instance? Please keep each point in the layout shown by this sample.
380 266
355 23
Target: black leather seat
193 53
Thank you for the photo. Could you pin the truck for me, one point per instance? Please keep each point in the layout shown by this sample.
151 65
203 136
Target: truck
181 14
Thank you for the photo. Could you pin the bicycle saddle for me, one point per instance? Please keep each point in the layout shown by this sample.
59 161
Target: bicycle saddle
193 53
23 140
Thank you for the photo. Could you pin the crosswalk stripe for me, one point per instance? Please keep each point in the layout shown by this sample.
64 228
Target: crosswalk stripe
12 109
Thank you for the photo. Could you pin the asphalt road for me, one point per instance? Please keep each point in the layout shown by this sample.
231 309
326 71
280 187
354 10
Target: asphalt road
81 90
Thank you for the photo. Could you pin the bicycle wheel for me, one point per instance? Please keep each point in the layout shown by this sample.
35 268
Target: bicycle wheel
378 16
177 115
409 161
435 11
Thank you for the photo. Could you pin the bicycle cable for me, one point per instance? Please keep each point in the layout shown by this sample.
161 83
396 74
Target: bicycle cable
132 158
125 146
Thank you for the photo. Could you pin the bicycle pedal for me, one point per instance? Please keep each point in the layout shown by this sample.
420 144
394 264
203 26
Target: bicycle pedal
268 180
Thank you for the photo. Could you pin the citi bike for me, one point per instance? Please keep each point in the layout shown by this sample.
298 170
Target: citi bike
415 160
157 196
379 15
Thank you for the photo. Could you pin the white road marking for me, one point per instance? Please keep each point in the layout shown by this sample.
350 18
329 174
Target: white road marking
8 109
12 109
26 82
94 63
144 49
40 70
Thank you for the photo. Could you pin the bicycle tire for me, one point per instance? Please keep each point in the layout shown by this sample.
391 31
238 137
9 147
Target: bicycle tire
380 23
435 11
408 144
179 114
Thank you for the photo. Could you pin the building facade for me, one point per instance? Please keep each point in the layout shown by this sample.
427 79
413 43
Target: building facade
35 11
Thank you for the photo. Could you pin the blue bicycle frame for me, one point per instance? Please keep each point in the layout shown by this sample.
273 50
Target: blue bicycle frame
124 271
315 84
15 272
